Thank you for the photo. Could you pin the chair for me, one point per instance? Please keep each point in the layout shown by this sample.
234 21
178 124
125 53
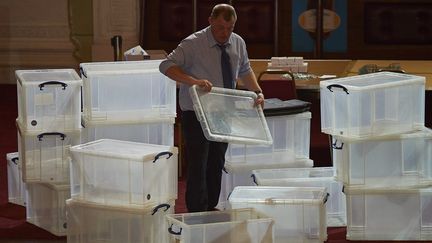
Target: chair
276 84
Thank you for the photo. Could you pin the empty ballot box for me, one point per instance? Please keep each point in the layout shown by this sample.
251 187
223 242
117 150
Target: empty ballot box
44 156
90 222
289 125
123 173
309 177
159 131
299 212
46 206
372 104
385 161
234 226
16 187
127 91
49 100
402 214
228 115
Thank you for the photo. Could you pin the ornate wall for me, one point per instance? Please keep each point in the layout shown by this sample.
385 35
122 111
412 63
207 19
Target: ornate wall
34 36
110 18
63 33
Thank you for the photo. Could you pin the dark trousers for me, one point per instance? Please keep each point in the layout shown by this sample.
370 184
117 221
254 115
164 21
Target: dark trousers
205 160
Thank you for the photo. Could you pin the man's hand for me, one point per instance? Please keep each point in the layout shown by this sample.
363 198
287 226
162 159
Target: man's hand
205 84
260 100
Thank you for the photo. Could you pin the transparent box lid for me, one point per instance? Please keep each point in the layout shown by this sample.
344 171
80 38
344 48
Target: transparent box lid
228 115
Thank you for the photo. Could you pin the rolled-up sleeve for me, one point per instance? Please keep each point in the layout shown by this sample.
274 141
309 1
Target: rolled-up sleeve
245 67
175 58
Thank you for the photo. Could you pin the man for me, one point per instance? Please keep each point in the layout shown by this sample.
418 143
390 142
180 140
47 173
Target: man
199 60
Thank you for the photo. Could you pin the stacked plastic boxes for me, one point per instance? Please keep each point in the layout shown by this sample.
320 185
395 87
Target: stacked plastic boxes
48 124
121 190
289 126
129 101
381 153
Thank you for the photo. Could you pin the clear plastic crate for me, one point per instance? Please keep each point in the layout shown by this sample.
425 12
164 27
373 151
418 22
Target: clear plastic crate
291 141
90 222
228 115
391 214
240 174
127 91
46 206
385 161
159 132
309 177
372 104
299 212
123 173
16 187
234 226
49 100
44 156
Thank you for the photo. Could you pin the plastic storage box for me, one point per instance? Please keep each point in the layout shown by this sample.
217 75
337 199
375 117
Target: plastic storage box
89 222
372 104
127 91
234 226
240 174
389 214
16 187
396 160
159 132
228 115
44 156
290 131
122 173
299 212
49 100
309 177
46 206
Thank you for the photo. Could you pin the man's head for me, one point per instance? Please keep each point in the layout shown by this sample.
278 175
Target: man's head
222 21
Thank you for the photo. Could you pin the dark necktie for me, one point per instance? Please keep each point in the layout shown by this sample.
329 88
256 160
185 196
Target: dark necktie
226 68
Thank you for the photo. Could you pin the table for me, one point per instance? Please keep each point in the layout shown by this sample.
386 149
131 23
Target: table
416 67
316 67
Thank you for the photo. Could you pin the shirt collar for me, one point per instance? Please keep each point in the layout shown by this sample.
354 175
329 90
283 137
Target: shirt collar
212 42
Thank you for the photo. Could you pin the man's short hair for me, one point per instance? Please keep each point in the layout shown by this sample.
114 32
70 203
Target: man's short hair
227 11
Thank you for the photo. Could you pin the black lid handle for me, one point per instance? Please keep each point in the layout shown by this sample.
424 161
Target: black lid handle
163 205
62 135
42 85
337 86
162 154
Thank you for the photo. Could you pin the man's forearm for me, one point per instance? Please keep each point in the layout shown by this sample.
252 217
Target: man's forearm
177 74
250 82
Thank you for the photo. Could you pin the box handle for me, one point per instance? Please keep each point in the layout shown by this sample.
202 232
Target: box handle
41 86
254 179
334 145
62 135
163 205
326 197
329 87
162 154
173 232
82 72
14 160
